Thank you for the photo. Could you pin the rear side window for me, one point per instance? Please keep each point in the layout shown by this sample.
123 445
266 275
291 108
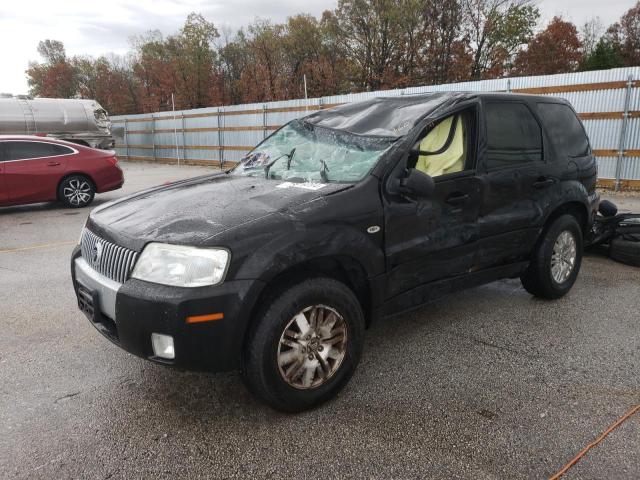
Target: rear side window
25 150
564 129
60 150
513 135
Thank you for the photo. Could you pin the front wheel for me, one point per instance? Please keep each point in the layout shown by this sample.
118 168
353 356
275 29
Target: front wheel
305 344
556 261
76 191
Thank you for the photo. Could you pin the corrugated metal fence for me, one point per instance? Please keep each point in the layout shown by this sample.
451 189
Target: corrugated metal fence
608 102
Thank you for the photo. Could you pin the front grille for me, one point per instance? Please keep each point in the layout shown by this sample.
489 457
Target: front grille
107 258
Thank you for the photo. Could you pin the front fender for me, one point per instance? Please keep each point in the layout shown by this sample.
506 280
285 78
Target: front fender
297 244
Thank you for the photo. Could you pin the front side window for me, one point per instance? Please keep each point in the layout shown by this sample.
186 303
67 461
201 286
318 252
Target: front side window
300 152
513 135
26 150
444 147
564 129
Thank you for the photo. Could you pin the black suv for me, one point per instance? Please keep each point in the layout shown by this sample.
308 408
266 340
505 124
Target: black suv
278 266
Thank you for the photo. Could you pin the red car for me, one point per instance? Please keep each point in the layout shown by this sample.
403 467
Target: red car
40 169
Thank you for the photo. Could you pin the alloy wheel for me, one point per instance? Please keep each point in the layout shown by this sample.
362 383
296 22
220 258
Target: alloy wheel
312 347
77 192
563 258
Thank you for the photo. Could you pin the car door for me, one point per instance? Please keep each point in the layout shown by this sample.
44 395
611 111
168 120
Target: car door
4 193
33 170
515 178
428 239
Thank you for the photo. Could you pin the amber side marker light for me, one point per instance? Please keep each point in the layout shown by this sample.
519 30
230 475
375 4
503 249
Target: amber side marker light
205 318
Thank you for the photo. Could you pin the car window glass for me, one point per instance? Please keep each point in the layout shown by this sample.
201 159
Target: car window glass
513 135
564 129
446 145
304 153
442 149
61 150
25 150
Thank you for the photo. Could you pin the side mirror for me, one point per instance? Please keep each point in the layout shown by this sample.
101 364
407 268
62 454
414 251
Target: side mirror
417 183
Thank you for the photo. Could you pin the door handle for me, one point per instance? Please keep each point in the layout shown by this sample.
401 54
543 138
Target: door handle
457 199
543 183
53 163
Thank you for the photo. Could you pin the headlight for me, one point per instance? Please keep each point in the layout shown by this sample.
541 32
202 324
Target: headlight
181 266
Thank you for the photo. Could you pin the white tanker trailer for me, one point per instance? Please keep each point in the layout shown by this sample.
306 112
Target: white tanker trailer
75 120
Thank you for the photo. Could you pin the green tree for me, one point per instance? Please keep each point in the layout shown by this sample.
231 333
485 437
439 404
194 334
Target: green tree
496 29
193 54
605 55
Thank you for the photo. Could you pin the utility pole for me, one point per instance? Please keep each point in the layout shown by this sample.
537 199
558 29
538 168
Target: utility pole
175 127
304 78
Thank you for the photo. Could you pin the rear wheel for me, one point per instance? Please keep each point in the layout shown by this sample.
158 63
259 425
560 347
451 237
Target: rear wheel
76 191
305 345
556 261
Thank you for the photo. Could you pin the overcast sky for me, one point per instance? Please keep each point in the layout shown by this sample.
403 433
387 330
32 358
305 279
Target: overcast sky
89 27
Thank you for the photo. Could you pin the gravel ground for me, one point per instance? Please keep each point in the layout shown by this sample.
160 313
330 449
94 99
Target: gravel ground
488 383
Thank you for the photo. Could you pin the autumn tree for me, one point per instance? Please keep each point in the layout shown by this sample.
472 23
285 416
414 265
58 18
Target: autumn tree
153 71
233 60
445 56
335 61
359 45
370 32
556 49
430 43
56 77
109 79
269 76
624 36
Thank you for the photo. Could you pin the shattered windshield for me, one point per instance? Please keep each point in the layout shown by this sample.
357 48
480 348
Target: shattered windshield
301 152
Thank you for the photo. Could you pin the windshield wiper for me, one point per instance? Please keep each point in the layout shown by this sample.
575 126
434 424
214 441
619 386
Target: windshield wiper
268 166
290 157
323 171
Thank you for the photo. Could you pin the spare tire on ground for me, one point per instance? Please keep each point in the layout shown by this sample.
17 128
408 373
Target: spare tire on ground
625 248
608 209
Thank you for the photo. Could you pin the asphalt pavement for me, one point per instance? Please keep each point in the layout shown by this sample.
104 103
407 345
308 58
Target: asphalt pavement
487 383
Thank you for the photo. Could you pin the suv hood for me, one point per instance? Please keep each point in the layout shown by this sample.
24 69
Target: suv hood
193 211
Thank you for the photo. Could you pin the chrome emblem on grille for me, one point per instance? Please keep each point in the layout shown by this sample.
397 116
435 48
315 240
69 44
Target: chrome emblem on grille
97 253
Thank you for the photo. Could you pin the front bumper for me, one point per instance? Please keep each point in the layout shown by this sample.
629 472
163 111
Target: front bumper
128 313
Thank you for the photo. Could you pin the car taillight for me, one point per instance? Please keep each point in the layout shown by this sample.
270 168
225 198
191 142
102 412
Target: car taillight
112 160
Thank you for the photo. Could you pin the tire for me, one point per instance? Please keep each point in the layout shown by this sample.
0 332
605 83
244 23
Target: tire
76 191
626 249
269 356
541 278
607 209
